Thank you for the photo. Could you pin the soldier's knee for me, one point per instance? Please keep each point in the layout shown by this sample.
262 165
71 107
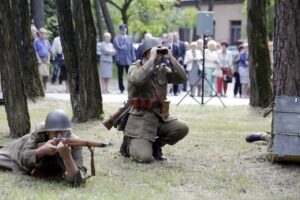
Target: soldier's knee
184 129
142 156
140 150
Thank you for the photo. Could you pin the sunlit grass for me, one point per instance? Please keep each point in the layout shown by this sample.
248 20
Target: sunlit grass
212 162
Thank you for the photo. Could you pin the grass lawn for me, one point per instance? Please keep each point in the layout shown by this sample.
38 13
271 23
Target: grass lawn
212 162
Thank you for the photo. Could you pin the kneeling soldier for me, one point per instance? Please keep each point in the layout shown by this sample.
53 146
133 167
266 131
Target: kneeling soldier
38 154
149 126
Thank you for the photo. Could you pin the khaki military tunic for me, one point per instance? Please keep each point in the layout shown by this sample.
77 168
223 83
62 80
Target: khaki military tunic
148 125
20 155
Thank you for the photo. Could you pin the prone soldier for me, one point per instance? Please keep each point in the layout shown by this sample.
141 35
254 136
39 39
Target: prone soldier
40 154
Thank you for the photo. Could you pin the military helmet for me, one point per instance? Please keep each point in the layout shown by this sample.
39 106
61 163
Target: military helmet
57 120
148 44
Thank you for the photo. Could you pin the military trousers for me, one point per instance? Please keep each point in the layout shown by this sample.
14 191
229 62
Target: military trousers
167 133
5 162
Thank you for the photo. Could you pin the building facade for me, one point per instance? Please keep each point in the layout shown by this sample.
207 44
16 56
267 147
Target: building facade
230 21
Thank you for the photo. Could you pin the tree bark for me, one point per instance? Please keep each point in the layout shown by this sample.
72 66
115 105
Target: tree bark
11 79
259 67
37 9
286 76
107 18
29 69
79 44
99 20
211 5
198 4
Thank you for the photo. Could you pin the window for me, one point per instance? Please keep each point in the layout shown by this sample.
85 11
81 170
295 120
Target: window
235 31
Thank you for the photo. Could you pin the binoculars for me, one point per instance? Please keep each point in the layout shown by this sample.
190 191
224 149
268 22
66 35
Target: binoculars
161 50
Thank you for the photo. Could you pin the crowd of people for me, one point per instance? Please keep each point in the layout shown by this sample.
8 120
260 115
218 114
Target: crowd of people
220 65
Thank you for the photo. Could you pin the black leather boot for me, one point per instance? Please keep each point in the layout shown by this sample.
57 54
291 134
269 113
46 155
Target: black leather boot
124 147
157 152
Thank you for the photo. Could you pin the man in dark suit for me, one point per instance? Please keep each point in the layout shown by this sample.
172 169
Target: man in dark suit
178 51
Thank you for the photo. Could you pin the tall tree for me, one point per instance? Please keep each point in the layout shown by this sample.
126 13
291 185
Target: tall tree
79 44
107 18
286 76
259 70
37 11
29 70
11 79
99 19
211 5
198 4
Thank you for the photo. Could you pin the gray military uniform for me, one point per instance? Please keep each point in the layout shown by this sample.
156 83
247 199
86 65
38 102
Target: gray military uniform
20 155
146 126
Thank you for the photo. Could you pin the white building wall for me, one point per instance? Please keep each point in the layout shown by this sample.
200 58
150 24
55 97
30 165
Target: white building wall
223 14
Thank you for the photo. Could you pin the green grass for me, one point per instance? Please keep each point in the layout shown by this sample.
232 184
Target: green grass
212 162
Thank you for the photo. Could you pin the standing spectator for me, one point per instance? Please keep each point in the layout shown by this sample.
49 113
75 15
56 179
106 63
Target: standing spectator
139 49
212 69
225 58
57 53
34 32
43 51
244 71
125 53
237 85
178 51
107 51
192 61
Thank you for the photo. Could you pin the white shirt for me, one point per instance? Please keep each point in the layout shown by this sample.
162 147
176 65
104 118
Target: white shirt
56 46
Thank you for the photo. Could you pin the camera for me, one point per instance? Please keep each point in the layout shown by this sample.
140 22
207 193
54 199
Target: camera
162 50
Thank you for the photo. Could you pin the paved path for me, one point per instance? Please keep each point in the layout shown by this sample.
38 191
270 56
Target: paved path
59 92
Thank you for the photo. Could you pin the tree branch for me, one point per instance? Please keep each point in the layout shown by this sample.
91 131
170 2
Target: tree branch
114 4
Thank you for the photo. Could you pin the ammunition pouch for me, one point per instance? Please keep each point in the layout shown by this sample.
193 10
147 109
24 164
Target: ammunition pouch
147 104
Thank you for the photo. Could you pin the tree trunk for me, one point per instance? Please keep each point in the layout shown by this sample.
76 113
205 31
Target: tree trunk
37 9
211 5
286 76
107 18
99 20
10 65
29 69
79 44
259 66
198 4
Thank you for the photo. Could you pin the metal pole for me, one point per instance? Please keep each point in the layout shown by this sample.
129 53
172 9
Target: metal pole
203 70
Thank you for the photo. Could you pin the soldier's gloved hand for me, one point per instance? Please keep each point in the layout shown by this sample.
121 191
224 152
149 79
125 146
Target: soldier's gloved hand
63 150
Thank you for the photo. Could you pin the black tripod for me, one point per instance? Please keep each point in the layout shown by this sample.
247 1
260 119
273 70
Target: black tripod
202 78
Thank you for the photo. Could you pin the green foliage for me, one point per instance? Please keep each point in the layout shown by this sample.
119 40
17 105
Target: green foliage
154 16
51 22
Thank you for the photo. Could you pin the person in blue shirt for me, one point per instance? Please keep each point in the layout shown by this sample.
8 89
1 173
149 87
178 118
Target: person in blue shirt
43 52
125 53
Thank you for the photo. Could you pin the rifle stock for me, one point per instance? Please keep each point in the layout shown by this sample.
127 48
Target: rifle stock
108 123
73 142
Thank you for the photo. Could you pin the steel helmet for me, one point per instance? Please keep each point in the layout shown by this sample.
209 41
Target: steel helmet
57 120
148 44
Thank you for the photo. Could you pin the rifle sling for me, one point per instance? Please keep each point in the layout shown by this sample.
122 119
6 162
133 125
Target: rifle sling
93 170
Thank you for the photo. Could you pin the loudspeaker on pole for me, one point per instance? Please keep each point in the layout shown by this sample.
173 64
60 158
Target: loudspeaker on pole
205 23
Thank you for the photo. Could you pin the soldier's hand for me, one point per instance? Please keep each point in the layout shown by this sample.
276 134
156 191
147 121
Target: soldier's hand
49 148
153 53
169 55
63 150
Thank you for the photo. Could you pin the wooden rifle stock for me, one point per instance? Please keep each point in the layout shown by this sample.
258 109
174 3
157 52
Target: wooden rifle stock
73 142
108 123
